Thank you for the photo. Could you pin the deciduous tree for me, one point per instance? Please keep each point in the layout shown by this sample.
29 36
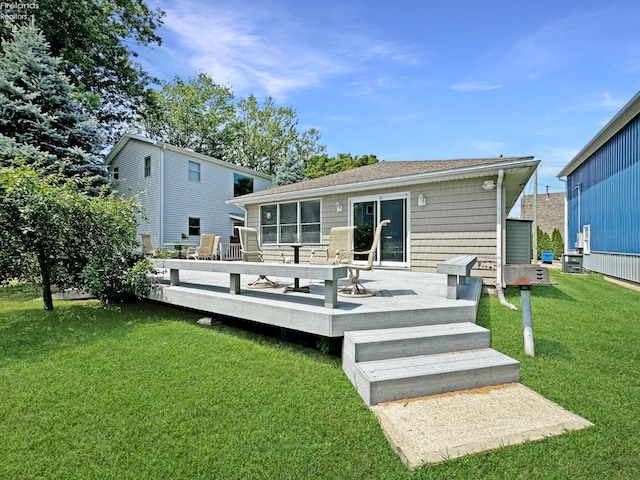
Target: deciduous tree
267 134
321 165
197 114
52 233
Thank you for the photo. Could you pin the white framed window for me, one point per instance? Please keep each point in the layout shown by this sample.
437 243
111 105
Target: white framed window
147 166
242 185
194 226
194 171
586 238
290 222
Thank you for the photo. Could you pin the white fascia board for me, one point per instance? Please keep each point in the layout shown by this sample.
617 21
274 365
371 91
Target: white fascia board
458 174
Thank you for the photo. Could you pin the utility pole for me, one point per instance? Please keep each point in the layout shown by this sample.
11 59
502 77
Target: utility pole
535 216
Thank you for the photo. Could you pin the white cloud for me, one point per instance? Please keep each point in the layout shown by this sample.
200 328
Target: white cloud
475 86
252 47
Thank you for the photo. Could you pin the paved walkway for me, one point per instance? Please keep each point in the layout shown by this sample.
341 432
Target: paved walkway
434 429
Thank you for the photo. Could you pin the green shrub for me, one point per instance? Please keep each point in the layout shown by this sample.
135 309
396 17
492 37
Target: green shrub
117 279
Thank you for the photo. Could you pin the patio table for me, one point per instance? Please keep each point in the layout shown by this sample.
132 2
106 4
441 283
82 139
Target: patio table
296 281
178 246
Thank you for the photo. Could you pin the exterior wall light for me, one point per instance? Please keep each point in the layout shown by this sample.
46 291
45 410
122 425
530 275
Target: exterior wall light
422 200
489 185
338 207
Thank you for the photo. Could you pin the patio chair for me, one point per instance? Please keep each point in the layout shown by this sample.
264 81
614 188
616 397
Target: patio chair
251 252
147 246
356 289
339 249
208 248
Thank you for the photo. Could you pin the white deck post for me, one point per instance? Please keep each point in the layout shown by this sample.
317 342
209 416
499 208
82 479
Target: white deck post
330 293
234 287
452 287
174 276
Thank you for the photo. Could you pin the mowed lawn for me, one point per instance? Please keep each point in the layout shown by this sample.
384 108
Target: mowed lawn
143 391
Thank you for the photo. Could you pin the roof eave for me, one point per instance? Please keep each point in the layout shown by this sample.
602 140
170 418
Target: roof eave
446 175
617 123
199 156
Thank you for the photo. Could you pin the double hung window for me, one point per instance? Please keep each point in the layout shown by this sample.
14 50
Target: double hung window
194 171
290 222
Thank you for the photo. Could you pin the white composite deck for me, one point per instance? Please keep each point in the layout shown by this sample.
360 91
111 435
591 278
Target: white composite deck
403 299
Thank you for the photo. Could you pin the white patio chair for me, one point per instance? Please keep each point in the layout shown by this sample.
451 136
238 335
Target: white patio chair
339 249
208 248
147 245
251 252
356 289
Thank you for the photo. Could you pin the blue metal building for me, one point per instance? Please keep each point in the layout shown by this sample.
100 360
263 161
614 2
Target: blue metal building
603 197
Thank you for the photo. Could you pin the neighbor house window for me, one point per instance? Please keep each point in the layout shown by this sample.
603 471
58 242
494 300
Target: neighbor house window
116 173
290 222
147 166
194 171
194 226
242 185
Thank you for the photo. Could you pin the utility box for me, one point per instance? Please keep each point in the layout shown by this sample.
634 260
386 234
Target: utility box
519 248
572 263
546 256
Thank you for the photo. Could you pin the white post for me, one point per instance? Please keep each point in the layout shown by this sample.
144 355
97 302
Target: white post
527 321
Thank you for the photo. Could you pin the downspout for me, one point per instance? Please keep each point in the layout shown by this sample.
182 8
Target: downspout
499 242
164 146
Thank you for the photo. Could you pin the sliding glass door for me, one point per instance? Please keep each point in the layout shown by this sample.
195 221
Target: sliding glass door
367 212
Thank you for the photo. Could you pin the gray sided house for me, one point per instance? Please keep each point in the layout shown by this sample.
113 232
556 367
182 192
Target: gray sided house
603 197
438 209
180 190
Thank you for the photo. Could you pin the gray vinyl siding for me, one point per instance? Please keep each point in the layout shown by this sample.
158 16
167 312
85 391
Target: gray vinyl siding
183 198
131 181
186 198
205 199
459 219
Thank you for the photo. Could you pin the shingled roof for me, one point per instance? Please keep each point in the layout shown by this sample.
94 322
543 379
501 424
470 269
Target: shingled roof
381 171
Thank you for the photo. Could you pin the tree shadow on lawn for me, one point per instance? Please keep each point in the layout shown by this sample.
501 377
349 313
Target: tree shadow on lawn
30 333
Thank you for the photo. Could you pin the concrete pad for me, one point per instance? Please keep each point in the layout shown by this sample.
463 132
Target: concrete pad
72 294
434 429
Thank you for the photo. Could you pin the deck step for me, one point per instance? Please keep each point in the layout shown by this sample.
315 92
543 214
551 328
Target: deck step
417 376
367 345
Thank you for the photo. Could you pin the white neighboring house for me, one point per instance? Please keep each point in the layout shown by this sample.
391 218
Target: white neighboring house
181 191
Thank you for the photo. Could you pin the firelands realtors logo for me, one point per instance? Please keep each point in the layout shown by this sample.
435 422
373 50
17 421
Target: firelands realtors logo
13 12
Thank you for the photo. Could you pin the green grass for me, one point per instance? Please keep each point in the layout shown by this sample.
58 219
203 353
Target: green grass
142 391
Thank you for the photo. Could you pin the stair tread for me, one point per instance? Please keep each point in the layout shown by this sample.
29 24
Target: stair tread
423 365
424 331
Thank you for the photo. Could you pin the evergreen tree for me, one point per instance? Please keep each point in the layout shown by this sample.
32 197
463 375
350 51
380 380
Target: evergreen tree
557 242
544 242
97 42
289 171
41 119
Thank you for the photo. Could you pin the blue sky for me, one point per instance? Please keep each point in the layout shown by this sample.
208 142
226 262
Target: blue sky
423 79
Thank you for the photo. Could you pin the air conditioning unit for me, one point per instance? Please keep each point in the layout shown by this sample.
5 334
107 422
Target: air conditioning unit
579 242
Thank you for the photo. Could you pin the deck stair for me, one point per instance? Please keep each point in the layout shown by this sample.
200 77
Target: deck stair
409 362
